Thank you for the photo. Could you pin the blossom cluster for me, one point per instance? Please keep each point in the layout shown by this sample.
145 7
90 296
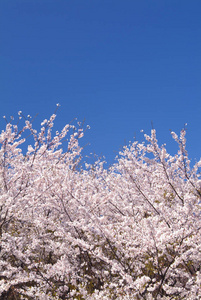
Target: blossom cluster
68 231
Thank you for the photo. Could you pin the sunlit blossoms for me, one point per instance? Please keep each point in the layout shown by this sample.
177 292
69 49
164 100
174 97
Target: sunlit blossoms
75 231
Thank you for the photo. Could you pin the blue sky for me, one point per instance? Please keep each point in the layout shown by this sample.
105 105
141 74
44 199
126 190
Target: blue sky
120 65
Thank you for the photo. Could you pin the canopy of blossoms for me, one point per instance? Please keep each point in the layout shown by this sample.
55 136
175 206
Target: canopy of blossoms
69 231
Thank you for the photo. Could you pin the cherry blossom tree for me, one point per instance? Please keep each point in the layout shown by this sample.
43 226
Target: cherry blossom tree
154 215
69 231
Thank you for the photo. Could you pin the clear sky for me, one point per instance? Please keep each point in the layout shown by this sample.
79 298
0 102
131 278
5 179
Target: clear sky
118 64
